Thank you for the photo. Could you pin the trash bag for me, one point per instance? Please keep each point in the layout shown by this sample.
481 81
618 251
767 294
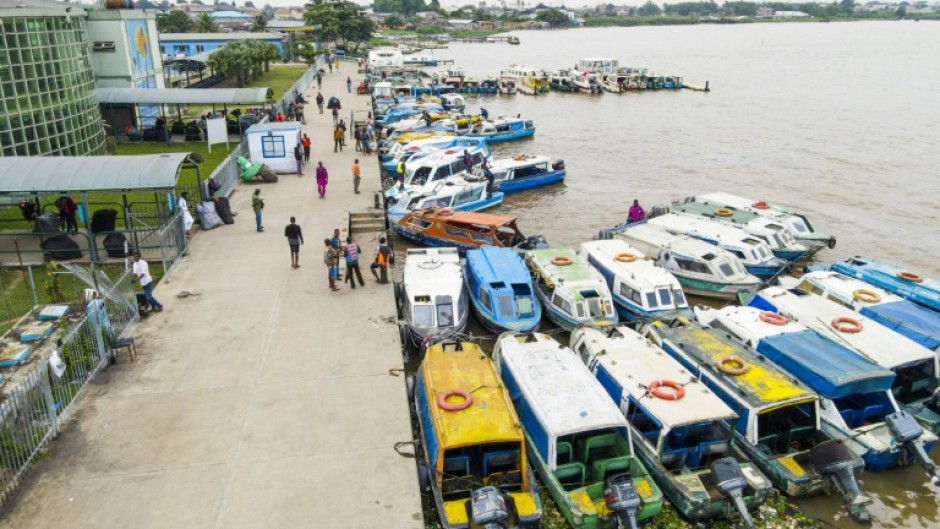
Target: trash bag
28 209
267 174
208 218
47 223
114 244
224 210
61 248
103 220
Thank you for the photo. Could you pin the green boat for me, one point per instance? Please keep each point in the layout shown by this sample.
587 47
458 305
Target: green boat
572 292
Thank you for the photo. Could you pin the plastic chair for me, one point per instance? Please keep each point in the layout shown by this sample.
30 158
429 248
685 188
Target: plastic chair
606 467
597 443
125 344
571 476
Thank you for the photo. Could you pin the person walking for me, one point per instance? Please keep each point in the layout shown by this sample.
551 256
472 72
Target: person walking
636 212
319 81
305 141
331 260
320 102
337 139
257 204
335 111
400 174
299 157
337 64
67 211
294 239
357 135
383 256
183 205
141 271
356 175
322 179
348 84
352 252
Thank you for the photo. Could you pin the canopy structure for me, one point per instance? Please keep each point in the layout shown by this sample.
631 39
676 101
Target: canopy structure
182 96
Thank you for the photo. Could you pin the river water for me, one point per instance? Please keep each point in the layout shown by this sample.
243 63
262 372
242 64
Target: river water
837 120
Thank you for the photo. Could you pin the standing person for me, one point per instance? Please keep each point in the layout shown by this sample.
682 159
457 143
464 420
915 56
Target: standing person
294 239
335 111
329 62
489 178
400 174
383 256
141 271
348 84
299 158
322 179
319 80
257 204
305 141
467 159
352 252
331 260
636 212
320 102
366 148
337 64
356 175
183 205
299 114
357 135
67 211
426 116
337 139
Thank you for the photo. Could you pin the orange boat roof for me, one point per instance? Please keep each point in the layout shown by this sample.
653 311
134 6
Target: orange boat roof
478 218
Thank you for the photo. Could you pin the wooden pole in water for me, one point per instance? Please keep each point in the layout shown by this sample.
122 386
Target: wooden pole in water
706 87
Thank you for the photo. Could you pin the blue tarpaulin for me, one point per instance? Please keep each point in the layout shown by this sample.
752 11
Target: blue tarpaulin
826 366
909 319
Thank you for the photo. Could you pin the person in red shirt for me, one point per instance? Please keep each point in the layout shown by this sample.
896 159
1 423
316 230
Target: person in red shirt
305 141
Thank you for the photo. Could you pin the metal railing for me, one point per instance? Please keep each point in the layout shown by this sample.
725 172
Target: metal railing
163 241
226 174
305 81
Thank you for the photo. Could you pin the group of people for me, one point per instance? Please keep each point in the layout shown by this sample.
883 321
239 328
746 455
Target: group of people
336 250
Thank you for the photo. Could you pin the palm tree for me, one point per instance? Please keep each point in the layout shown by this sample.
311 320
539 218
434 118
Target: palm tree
205 24
269 53
259 24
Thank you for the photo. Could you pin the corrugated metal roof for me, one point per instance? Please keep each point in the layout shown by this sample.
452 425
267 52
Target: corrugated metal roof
183 96
272 126
21 175
175 37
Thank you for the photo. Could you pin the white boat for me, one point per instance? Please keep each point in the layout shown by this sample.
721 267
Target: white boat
453 102
529 81
432 299
507 83
702 269
386 58
586 82
572 293
680 429
521 172
757 258
429 166
641 290
453 193
602 66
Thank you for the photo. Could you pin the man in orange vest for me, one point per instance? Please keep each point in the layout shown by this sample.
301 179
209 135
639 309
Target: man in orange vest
383 256
305 141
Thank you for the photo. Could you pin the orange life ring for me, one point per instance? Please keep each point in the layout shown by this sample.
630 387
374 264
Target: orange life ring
733 365
866 296
462 405
561 260
847 325
773 318
910 276
519 157
724 212
625 257
450 151
760 204
677 390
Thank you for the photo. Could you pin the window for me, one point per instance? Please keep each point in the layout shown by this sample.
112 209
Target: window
485 299
200 48
504 305
651 299
273 147
629 293
664 297
726 269
692 266
424 316
680 297
445 311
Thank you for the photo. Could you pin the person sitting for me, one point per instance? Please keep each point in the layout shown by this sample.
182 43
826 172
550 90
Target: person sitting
636 213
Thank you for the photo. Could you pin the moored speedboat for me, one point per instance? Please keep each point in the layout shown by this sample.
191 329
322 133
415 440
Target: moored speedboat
571 291
455 194
641 290
473 447
464 231
909 285
502 129
681 430
501 291
507 83
577 439
432 301
521 172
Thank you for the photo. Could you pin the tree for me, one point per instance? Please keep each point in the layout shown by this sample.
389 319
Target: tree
394 21
174 22
259 24
250 4
340 22
205 24
435 6
848 6
649 9
554 17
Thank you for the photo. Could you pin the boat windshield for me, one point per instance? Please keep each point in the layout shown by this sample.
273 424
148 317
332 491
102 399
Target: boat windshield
445 311
788 427
665 297
597 308
679 297
726 269
523 300
914 382
504 306
424 316
695 446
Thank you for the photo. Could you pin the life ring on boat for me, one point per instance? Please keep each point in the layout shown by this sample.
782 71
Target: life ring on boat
561 260
733 365
625 257
724 212
910 276
128 129
462 405
866 296
760 204
676 393
773 318
847 325
450 151
519 157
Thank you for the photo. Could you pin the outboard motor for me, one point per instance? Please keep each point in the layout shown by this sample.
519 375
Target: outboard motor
534 242
604 235
905 431
834 460
558 165
657 211
621 497
488 509
731 482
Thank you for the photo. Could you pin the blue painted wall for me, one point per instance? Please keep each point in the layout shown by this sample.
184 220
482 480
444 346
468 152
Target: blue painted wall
189 47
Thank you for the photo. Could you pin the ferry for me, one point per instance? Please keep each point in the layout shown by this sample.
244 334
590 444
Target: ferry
641 290
909 285
386 58
572 292
522 172
501 291
474 451
918 372
455 194
577 440
462 230
502 129
799 225
432 300
427 168
702 269
779 424
419 59
680 429
758 259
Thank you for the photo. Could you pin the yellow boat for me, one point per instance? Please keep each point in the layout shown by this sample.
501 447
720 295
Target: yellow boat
412 136
472 441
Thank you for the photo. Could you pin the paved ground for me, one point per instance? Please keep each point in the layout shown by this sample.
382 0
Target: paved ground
265 402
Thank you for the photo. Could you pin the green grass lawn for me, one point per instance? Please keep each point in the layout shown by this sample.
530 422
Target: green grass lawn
279 79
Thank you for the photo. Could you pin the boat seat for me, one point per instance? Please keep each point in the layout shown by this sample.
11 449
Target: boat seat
873 413
799 434
674 458
509 479
565 452
457 466
595 446
457 485
709 449
602 468
849 417
500 461
770 441
571 475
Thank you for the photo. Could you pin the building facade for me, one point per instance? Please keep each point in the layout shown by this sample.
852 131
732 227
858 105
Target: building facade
188 44
48 104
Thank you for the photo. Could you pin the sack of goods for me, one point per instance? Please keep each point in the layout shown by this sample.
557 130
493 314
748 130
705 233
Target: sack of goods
224 210
208 218
61 248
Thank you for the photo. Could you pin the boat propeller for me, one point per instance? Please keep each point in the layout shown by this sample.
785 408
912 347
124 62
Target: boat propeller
622 499
488 508
731 482
906 432
834 460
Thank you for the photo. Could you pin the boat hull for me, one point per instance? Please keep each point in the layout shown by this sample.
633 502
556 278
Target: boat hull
711 289
395 213
566 321
524 184
504 136
499 327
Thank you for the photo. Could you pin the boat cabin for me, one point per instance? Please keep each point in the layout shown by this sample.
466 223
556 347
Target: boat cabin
434 300
501 289
571 290
501 126
909 285
599 65
798 225
777 236
464 229
454 193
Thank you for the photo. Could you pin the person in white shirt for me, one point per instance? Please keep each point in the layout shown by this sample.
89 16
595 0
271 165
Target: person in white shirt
141 271
183 204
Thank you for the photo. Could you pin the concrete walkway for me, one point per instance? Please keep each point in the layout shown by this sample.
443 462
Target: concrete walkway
265 402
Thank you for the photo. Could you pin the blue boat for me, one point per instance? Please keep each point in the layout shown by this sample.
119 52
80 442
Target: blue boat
908 285
521 172
455 194
499 130
442 159
501 290
404 111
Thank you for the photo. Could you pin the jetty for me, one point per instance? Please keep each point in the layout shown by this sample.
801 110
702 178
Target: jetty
264 401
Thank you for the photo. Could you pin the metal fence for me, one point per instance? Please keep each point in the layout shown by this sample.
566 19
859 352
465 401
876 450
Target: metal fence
40 400
227 173
305 81
159 239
